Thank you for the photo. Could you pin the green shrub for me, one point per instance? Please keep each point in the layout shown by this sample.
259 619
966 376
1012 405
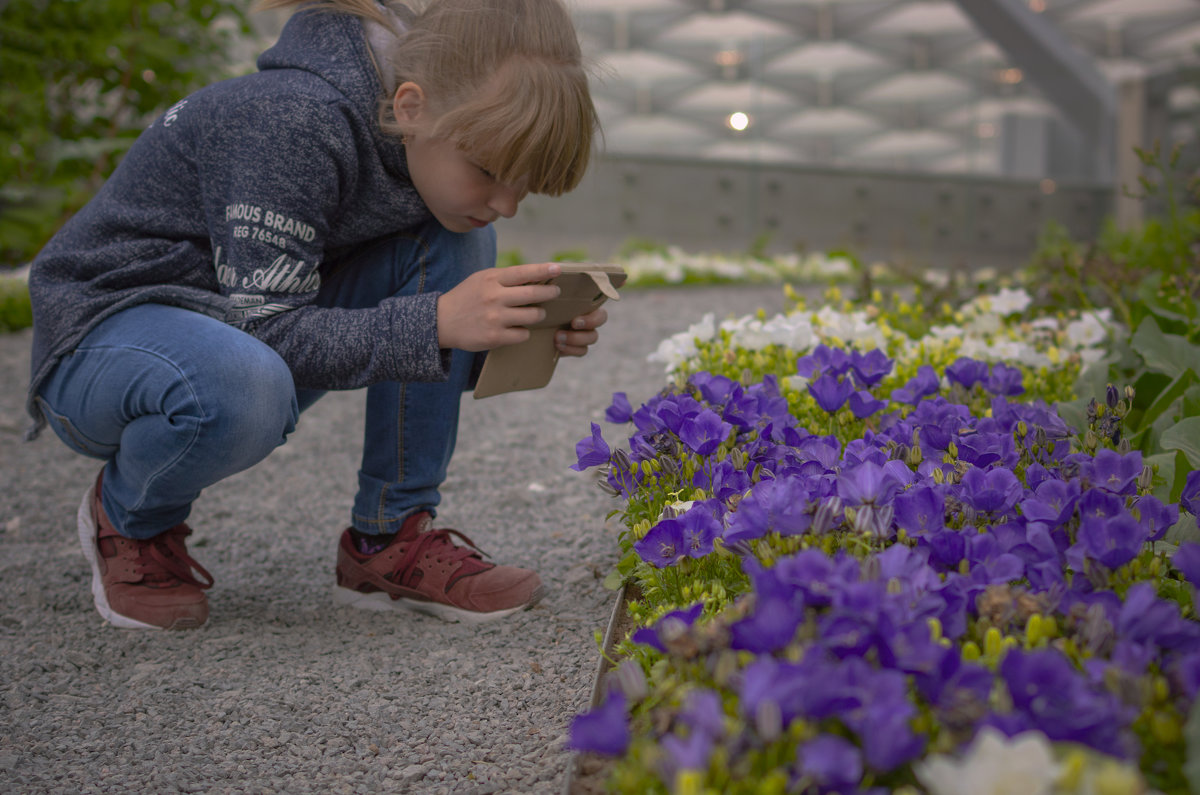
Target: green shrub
81 80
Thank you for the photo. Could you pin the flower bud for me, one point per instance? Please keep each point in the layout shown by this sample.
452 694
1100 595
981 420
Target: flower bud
1145 478
631 680
1111 396
1130 392
993 643
915 457
768 720
1033 630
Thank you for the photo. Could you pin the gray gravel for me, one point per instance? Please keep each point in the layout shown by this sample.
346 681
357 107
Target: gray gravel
281 691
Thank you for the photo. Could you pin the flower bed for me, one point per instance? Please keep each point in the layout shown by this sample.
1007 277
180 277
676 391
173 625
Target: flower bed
873 557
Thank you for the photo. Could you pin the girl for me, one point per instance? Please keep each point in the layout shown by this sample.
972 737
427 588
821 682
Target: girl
323 223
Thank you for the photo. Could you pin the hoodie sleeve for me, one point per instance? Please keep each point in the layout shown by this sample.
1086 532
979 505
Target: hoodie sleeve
274 174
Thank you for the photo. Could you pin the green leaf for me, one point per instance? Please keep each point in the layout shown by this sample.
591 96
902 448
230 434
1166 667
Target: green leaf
1181 532
1191 402
1184 436
1148 294
613 580
1191 736
1165 399
1164 480
1165 353
1074 413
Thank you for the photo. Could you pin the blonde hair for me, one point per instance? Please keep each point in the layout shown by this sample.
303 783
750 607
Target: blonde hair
504 78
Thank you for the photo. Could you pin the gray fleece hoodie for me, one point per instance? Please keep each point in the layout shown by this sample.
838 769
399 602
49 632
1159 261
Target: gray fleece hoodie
237 202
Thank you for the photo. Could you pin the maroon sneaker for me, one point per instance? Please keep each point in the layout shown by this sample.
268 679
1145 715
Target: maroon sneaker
422 569
141 584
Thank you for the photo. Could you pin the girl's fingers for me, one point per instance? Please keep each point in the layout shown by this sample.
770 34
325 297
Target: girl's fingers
592 320
528 274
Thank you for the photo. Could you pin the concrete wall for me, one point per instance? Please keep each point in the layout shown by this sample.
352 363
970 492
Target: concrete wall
703 205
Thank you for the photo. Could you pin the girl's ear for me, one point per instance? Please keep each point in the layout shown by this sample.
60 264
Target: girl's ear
409 103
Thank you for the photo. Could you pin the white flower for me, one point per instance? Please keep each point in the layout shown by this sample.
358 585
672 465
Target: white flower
849 327
676 508
1089 330
678 348
1007 301
791 331
985 323
993 765
937 278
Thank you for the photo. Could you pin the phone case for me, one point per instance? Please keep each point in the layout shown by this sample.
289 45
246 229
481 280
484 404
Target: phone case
530 364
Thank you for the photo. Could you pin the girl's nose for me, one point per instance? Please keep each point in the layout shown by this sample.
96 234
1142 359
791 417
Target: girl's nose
505 200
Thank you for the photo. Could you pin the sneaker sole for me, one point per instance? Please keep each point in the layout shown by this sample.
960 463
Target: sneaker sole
381 602
87 540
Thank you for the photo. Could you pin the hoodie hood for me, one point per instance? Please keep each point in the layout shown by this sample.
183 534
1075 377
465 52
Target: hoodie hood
333 46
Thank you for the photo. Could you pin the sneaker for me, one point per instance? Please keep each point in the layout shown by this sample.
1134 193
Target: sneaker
422 569
141 584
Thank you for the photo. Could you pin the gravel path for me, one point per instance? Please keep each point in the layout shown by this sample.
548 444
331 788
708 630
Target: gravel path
281 691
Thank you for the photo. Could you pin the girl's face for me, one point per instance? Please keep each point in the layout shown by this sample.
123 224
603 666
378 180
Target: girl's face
461 194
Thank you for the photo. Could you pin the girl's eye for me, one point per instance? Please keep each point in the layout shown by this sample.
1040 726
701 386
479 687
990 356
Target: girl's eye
485 172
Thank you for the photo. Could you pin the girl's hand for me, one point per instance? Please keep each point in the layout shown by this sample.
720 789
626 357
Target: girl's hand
582 334
490 308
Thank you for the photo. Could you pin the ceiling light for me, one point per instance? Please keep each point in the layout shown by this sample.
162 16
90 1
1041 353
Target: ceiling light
738 121
1011 76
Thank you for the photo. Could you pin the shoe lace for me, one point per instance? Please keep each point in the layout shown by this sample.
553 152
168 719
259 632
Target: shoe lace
164 559
440 546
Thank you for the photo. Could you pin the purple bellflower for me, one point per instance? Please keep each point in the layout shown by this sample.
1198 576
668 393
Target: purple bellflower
773 506
1189 498
864 404
920 510
1187 560
1054 698
771 627
591 451
1155 516
921 386
665 544
830 391
705 432
603 730
668 626
1114 472
993 491
620 411
833 762
1004 380
967 372
702 712
870 368
1053 501
823 359
716 389
1112 541
685 753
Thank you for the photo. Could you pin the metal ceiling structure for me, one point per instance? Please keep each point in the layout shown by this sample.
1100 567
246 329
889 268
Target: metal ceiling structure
1023 88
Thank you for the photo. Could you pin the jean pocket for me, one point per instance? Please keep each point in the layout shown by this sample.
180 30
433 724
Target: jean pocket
70 435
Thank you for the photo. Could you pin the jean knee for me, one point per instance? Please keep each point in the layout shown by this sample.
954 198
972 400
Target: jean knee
253 398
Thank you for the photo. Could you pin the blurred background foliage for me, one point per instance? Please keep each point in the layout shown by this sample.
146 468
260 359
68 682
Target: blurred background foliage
81 79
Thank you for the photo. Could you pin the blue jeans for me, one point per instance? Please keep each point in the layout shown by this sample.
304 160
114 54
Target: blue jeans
175 401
